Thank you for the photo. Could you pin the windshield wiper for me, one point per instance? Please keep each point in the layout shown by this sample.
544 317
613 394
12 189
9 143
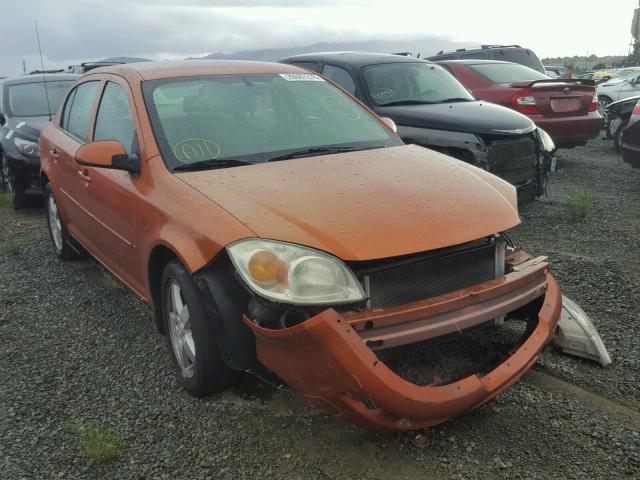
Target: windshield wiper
455 99
211 164
405 102
310 152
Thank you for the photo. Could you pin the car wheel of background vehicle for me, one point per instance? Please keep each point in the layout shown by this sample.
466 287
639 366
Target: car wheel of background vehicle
191 335
4 172
617 137
57 231
603 101
16 192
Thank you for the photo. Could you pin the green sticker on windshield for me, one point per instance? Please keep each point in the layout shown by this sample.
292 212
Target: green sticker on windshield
195 150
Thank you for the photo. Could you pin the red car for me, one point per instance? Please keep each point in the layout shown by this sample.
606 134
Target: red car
566 109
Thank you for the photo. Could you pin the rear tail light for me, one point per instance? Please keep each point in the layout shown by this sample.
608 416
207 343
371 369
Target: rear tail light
525 102
636 111
594 103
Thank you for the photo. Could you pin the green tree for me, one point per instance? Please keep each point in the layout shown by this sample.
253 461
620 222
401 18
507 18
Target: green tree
599 66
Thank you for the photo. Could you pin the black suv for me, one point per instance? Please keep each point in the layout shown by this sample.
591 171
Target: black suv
432 109
23 113
506 53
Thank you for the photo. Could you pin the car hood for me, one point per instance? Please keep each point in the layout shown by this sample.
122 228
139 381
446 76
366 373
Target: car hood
478 117
27 127
364 205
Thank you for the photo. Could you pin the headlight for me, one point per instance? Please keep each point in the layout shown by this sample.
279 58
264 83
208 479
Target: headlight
26 147
289 273
547 142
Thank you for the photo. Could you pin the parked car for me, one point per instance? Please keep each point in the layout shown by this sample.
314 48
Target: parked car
611 91
553 71
631 138
617 115
598 77
566 109
505 53
431 108
23 112
277 226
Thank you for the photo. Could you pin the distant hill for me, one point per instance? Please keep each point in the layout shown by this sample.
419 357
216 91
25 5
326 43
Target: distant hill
425 46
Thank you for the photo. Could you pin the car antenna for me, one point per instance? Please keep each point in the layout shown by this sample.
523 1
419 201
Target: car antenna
44 77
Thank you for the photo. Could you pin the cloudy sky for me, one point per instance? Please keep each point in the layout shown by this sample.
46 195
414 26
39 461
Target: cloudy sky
78 30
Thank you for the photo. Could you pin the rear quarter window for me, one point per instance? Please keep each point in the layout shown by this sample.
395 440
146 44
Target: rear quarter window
504 73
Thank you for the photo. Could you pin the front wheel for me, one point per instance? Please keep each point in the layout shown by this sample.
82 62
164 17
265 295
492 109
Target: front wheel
617 136
603 101
4 173
191 335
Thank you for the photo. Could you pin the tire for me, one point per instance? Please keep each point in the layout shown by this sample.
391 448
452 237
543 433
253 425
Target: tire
617 136
16 191
603 101
60 238
4 173
190 335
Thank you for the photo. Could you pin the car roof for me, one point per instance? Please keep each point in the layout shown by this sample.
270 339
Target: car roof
155 70
356 59
38 78
474 61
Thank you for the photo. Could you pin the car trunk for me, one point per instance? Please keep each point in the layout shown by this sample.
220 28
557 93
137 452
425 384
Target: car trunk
559 98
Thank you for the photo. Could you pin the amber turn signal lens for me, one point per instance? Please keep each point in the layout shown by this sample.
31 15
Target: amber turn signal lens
267 269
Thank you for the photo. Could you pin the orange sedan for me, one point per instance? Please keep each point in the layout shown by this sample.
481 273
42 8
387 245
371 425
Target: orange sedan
278 226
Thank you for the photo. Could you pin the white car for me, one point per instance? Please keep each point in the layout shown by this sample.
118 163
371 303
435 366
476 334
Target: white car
619 88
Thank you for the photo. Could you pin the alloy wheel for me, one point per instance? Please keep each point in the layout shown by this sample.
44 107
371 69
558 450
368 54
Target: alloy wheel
55 225
180 331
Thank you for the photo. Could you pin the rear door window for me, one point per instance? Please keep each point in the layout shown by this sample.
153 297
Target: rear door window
341 77
79 106
507 72
114 120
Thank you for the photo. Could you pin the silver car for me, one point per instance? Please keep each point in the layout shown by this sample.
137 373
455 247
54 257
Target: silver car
619 88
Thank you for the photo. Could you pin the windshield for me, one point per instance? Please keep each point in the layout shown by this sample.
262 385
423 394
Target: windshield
507 72
256 118
406 83
30 99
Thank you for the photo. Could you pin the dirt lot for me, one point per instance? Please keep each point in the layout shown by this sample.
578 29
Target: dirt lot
79 354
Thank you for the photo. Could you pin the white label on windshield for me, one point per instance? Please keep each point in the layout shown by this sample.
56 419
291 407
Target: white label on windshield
9 134
21 124
301 77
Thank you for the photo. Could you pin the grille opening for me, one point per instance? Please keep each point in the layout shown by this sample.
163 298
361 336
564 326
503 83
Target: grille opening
404 280
450 358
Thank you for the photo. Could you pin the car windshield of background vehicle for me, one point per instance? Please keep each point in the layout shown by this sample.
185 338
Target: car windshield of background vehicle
256 118
412 83
507 72
30 99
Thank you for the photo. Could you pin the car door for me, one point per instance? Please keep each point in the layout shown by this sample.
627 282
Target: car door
114 194
70 134
630 88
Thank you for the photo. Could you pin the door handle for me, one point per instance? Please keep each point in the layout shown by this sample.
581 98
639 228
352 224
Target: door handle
85 177
54 153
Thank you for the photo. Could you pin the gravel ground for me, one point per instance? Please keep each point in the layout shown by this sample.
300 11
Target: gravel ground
77 350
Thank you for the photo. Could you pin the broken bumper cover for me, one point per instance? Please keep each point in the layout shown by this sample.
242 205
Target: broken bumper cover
328 362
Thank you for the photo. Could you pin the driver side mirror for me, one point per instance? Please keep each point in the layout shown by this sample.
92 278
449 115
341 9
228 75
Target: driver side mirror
3 119
107 154
390 124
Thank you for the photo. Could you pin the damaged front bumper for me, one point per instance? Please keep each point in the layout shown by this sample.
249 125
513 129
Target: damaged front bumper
329 358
